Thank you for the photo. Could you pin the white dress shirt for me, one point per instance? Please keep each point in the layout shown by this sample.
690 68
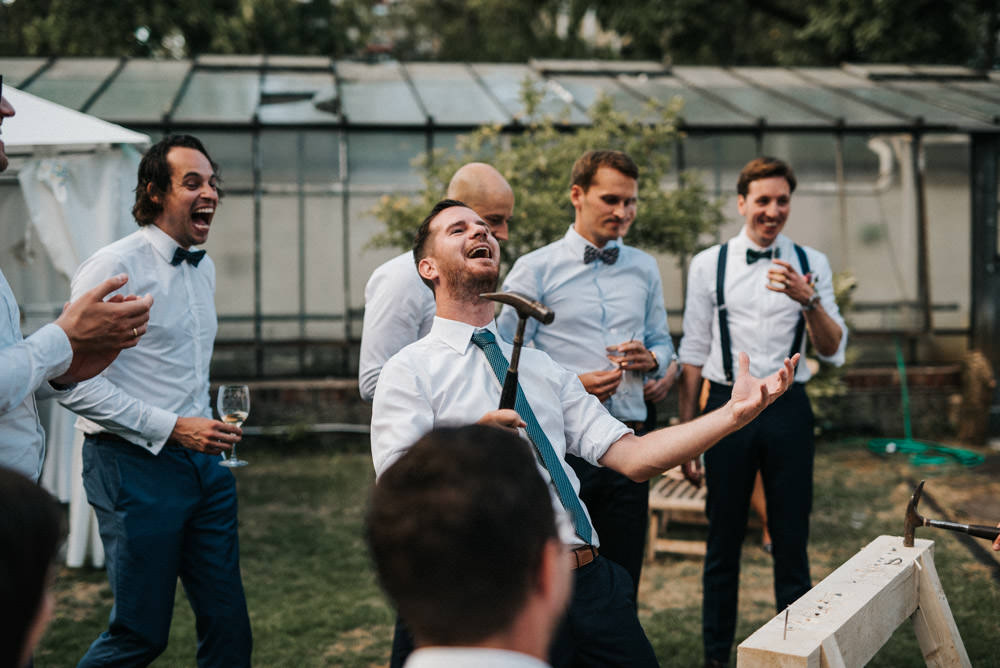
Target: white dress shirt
445 380
25 366
469 657
596 305
399 309
141 395
761 321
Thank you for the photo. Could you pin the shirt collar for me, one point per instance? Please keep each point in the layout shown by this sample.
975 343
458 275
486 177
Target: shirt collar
743 241
458 335
576 243
162 243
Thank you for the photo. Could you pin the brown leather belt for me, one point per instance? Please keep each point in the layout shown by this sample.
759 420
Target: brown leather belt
582 556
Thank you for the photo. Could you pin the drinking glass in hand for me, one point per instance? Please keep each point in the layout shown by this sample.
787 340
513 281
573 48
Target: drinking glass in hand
233 405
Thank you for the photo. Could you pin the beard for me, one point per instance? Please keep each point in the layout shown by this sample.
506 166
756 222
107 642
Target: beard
467 287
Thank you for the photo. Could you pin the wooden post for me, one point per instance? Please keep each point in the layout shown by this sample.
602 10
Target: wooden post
846 618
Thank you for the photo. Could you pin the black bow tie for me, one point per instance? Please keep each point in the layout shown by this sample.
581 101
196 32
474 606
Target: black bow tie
194 257
753 256
607 255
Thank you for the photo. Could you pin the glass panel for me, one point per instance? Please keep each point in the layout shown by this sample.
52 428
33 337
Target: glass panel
862 159
949 213
230 245
325 259
279 270
16 70
364 259
377 94
233 152
219 96
452 96
823 100
698 109
505 82
753 101
385 158
142 92
887 100
719 159
291 97
811 156
587 89
957 100
285 152
71 81
982 89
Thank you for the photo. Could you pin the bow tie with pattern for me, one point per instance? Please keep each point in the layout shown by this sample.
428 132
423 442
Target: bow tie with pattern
607 255
194 257
753 256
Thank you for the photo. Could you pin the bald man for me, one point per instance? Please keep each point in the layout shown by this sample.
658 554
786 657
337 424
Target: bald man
399 308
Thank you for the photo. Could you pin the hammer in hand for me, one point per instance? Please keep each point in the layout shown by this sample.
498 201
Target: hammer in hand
913 520
526 307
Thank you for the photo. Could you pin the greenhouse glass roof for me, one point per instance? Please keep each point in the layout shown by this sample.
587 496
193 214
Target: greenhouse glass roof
292 91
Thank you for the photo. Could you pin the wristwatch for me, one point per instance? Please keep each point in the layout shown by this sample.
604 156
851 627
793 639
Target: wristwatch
811 303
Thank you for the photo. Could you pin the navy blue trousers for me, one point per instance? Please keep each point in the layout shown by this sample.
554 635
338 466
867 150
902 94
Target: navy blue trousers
780 444
160 518
600 629
619 509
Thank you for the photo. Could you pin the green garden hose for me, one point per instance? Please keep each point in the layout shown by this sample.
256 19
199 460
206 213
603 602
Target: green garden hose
922 453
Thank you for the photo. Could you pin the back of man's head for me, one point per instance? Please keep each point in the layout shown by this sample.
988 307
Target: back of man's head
586 166
457 528
31 530
484 189
764 167
154 176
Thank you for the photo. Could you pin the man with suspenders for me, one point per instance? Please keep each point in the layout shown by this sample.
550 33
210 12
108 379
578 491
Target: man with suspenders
762 294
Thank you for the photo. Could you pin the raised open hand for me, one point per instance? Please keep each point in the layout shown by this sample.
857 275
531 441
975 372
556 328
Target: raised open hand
752 395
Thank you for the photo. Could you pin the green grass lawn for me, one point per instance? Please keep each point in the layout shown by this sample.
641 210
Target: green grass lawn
314 601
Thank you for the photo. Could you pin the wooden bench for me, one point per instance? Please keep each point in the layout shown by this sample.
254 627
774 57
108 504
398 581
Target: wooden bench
673 499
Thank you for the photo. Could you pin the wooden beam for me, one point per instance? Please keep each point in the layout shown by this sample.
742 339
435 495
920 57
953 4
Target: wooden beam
846 618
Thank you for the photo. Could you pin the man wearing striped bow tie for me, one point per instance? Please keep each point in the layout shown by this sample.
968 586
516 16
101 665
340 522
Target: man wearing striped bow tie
610 329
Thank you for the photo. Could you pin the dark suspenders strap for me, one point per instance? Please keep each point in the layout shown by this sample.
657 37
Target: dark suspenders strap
720 299
800 327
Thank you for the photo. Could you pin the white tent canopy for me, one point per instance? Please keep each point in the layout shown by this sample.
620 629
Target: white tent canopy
75 174
40 126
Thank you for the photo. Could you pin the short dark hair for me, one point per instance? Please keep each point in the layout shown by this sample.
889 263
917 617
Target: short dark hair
586 166
154 169
424 232
31 531
764 167
457 528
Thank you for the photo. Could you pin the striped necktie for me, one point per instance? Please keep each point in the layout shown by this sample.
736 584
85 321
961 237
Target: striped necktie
550 460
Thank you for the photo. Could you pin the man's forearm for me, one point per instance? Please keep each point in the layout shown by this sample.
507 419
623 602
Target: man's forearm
689 390
642 457
824 332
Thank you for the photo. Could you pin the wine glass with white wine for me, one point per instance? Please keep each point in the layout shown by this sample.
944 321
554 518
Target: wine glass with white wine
233 404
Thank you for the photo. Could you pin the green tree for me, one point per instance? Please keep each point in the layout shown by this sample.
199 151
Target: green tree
817 32
488 30
182 27
537 160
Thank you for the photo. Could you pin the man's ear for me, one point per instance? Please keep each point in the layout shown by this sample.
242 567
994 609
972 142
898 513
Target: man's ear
741 204
576 194
427 268
153 195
